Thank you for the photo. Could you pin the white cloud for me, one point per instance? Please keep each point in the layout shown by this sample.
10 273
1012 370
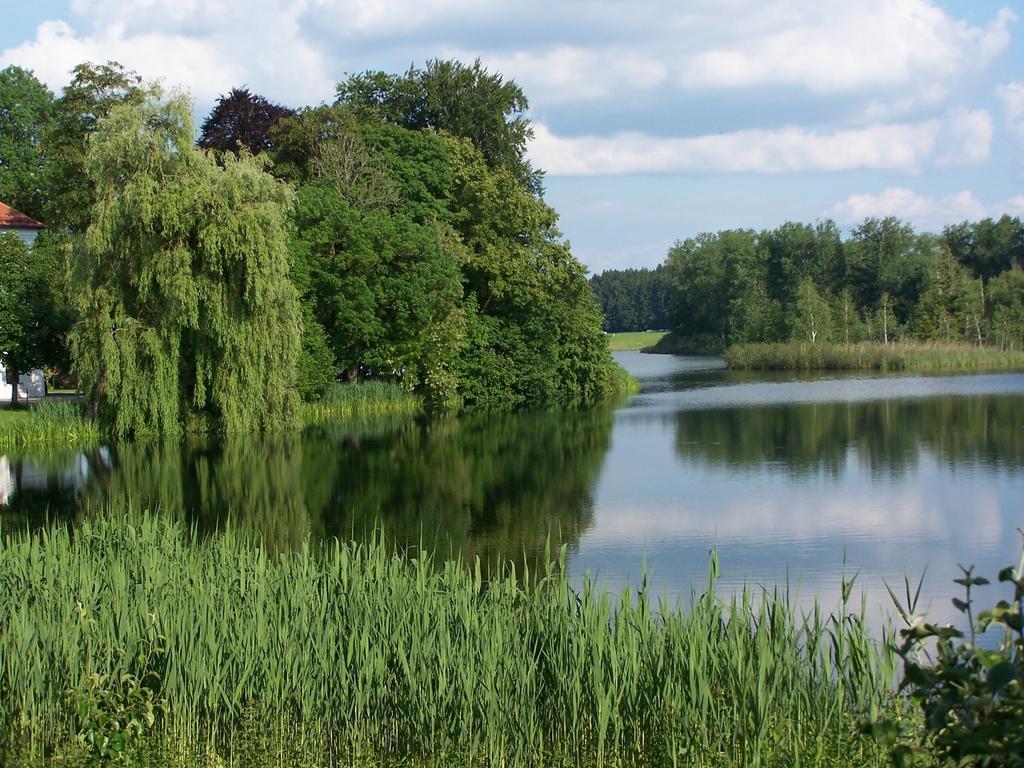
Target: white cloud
922 210
907 204
1014 206
1011 95
174 59
836 46
208 47
570 73
386 18
962 138
966 138
900 53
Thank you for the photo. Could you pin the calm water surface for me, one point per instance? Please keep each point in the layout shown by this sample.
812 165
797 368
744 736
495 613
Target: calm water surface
786 477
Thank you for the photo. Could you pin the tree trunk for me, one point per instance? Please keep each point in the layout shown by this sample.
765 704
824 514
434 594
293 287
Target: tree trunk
12 379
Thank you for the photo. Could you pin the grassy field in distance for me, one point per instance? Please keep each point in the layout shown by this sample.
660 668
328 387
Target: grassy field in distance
633 340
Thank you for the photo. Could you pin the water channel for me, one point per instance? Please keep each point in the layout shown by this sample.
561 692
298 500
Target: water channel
790 479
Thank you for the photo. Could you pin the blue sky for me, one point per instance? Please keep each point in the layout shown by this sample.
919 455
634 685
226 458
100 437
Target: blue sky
655 120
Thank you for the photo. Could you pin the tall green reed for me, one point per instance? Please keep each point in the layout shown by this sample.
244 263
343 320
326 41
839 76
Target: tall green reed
361 653
51 422
361 400
871 356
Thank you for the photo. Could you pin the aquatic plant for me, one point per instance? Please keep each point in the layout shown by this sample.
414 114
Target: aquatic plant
871 356
358 653
48 422
362 400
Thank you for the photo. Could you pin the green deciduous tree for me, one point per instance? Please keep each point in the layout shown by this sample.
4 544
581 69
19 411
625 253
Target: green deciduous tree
33 313
711 277
188 318
382 279
428 265
25 109
465 100
1006 297
883 256
812 316
92 93
987 247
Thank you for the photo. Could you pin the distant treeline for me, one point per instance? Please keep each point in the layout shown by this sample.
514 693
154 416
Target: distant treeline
805 282
633 299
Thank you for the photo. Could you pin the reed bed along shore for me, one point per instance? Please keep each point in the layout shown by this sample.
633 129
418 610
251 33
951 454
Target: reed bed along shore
362 400
50 422
356 654
61 423
898 356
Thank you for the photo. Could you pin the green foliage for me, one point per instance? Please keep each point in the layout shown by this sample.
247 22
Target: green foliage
632 299
366 655
813 316
25 107
1006 296
464 100
418 244
93 92
116 712
624 383
428 267
883 325
188 319
987 247
385 290
883 283
33 310
710 277
315 369
971 696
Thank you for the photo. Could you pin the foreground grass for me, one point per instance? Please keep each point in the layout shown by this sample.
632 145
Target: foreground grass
919 356
353 654
49 422
633 340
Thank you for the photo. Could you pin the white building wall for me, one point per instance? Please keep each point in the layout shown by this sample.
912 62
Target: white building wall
6 481
28 236
32 384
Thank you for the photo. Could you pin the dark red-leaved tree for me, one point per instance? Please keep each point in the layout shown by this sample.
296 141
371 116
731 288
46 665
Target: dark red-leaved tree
242 119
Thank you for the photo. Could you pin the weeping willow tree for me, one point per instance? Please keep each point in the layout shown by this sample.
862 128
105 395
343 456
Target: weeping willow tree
188 318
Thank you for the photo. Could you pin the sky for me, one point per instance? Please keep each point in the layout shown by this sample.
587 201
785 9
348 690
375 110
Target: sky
654 120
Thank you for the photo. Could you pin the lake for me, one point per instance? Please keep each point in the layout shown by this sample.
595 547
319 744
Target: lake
787 477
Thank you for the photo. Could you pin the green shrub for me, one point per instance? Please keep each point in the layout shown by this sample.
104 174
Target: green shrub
316 368
971 696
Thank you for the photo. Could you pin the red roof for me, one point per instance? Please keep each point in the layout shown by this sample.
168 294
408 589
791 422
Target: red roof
12 219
